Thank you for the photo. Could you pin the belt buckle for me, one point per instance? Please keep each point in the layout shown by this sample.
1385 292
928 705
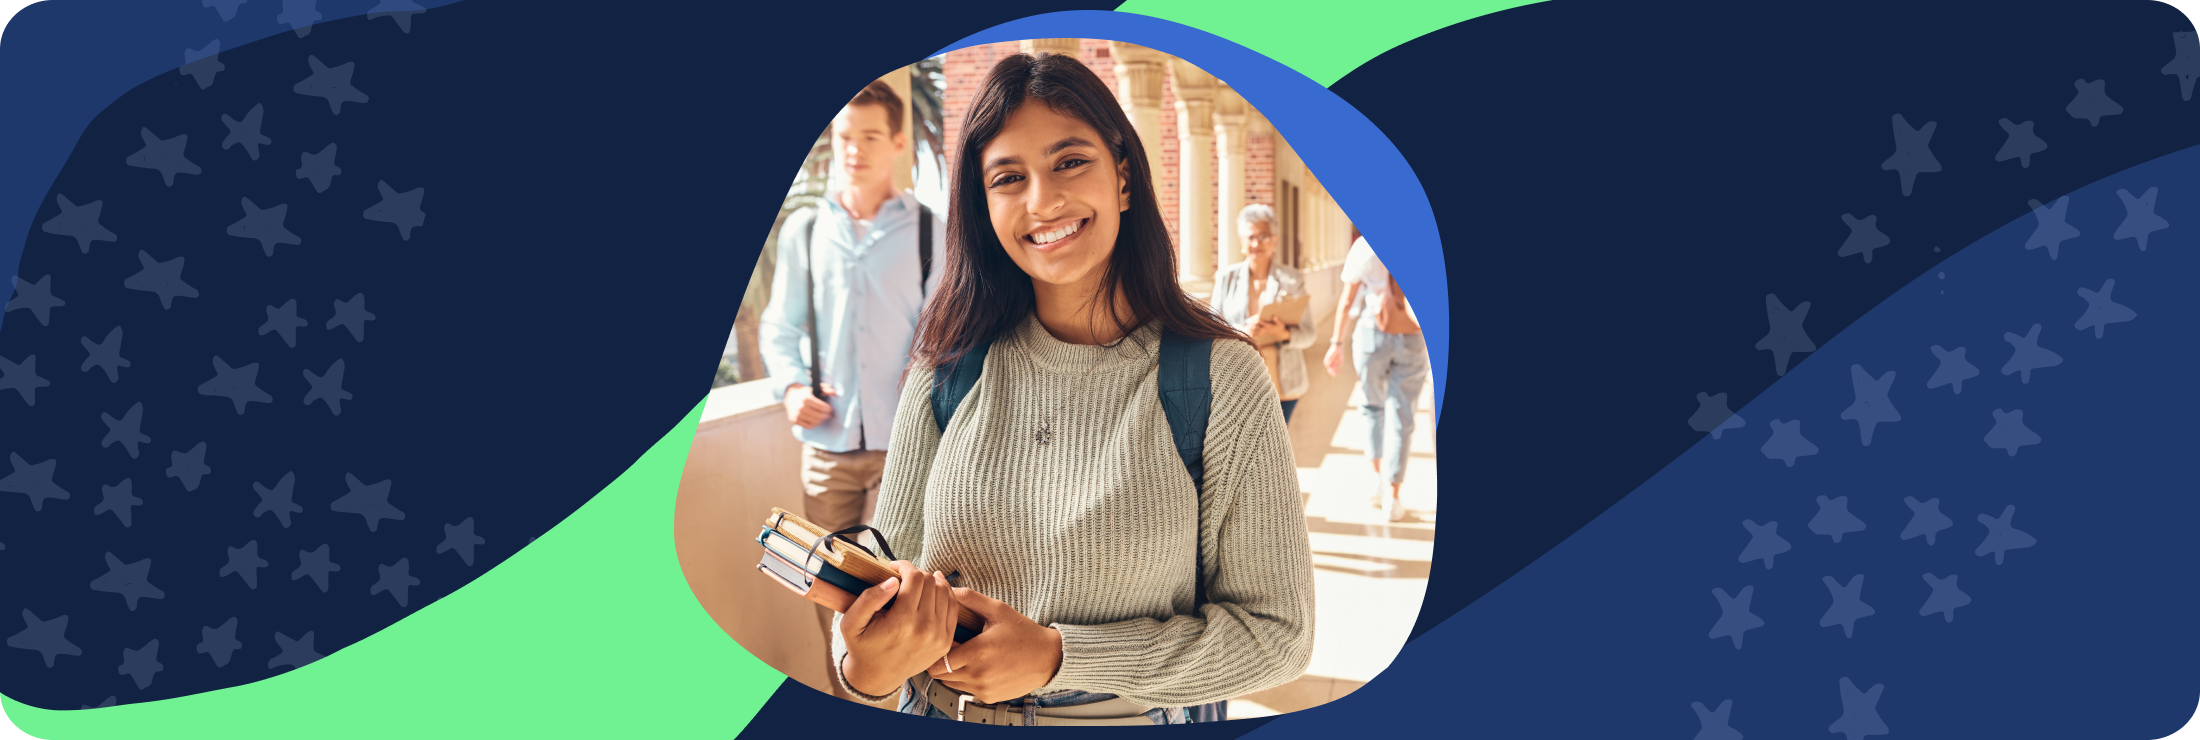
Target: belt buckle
961 701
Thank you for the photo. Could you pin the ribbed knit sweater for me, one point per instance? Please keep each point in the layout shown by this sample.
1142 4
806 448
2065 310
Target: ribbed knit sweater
1101 534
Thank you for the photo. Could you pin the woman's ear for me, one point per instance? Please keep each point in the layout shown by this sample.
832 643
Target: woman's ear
1123 184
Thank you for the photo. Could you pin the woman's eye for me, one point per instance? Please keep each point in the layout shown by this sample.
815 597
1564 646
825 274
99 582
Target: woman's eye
1007 180
1070 163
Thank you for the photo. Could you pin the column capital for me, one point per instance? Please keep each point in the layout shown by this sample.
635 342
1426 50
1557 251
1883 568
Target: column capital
1138 75
1192 82
1230 110
1067 47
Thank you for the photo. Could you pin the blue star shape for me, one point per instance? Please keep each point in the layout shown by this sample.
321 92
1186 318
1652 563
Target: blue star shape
1713 416
219 642
1787 442
163 155
1946 597
22 378
396 579
239 384
401 11
294 653
1859 712
319 169
125 429
299 15
188 467
402 209
35 481
164 279
246 563
1834 519
2092 102
1925 519
141 664
2053 228
1764 542
2029 355
284 321
1734 616
78 222
1848 604
45 636
202 64
1871 407
2009 432
332 83
1913 152
317 565
246 133
2020 145
328 388
1787 336
130 581
228 8
353 315
2139 218
106 355
1953 369
2001 536
371 502
264 225
277 500
460 537
36 298
2100 311
117 499
2186 64
1864 236
1714 724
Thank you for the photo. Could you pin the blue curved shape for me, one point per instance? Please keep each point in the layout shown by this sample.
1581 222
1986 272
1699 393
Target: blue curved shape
1365 172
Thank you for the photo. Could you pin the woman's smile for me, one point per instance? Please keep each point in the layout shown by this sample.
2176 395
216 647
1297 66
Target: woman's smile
1057 236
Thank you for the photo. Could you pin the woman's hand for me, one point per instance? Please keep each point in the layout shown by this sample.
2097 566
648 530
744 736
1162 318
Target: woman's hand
1010 658
1334 358
1270 331
885 647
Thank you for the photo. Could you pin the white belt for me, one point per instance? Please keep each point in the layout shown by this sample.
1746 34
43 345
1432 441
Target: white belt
1116 711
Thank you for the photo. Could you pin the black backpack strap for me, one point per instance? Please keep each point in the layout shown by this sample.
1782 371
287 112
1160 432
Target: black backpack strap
954 381
924 248
1186 395
809 284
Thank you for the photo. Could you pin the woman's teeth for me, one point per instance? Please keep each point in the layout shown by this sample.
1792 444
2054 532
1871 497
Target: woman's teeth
1057 234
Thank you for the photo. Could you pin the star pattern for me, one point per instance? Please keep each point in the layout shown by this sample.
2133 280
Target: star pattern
278 501
1864 236
317 565
1913 153
78 222
116 499
246 133
163 155
461 537
37 298
188 466
1787 442
106 355
1787 336
141 664
2009 432
1734 616
1946 597
245 562
328 388
2092 102
35 481
45 636
126 429
238 384
319 169
203 63
330 83
130 581
1925 519
396 579
1834 519
1764 542
227 8
2186 64
264 226
1848 604
353 315
299 15
1953 369
1714 724
2001 537
163 279
219 642
2139 218
1859 712
2029 355
1871 407
371 502
293 653
284 322
400 11
2020 145
402 209
22 377
2100 311
1712 415
2053 229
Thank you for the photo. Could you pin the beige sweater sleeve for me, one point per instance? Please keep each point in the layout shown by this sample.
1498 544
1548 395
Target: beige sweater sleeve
900 515
1256 630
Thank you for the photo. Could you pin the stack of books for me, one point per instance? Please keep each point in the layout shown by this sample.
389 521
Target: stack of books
832 573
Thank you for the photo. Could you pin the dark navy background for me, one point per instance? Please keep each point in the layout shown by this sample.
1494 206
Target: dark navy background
1619 187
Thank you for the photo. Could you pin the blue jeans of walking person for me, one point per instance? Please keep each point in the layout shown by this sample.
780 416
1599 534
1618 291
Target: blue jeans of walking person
1393 368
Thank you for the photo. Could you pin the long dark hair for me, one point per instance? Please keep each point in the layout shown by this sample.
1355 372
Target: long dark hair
982 293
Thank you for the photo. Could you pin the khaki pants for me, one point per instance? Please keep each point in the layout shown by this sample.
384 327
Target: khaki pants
840 491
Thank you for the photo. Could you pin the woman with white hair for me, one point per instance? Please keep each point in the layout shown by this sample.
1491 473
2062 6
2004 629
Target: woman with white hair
1241 289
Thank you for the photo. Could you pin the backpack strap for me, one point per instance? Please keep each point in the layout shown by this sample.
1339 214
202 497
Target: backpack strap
1186 395
809 287
924 248
954 381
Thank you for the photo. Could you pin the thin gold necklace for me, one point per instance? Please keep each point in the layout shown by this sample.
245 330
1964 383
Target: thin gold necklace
1044 435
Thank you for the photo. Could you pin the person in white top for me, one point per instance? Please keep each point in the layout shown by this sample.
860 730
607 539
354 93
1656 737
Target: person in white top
1392 359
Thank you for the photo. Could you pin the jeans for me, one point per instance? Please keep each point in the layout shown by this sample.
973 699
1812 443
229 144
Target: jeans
913 701
1392 368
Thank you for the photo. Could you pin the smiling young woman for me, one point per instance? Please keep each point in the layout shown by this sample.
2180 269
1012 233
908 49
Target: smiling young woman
1119 584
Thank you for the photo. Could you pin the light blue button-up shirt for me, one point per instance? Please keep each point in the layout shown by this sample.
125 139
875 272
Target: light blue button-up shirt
866 300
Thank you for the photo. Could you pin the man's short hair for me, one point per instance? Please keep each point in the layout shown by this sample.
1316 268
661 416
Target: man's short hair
1257 213
881 94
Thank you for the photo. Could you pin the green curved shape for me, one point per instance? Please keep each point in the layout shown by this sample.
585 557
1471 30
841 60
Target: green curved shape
1323 40
589 631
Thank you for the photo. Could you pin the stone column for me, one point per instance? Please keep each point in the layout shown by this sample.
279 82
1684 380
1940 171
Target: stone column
1067 47
1230 132
905 166
1195 126
1138 77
